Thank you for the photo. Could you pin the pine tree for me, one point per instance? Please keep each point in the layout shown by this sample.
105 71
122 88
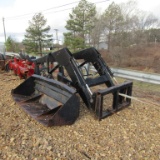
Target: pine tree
11 45
80 25
37 34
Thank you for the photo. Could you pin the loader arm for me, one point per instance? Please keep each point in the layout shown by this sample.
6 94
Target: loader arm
66 60
92 56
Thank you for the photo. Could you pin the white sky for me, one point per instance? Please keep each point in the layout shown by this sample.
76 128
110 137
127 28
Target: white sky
56 18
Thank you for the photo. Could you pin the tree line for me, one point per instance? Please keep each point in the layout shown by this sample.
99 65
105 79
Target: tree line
119 26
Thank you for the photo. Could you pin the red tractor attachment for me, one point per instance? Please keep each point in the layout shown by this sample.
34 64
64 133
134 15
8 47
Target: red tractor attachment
22 66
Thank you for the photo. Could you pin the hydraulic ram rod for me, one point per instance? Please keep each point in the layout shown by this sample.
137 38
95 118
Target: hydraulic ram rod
135 98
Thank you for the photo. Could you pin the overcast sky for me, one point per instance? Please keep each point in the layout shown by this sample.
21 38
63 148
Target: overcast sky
17 13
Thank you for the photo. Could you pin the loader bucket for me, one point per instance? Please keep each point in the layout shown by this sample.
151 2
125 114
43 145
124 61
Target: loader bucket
48 101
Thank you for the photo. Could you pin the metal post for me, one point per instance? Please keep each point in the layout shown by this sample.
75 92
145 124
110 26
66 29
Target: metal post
4 35
57 37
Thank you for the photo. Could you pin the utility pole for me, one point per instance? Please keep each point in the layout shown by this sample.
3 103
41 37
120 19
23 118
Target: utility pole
57 37
4 34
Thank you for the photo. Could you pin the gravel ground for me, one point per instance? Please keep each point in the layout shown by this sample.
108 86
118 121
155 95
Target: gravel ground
133 133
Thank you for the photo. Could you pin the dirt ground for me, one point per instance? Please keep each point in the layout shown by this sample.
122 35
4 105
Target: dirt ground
133 133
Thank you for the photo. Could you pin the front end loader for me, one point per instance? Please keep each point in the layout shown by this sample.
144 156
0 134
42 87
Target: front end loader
37 95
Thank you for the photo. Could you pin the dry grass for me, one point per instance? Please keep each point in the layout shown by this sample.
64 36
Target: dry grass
140 57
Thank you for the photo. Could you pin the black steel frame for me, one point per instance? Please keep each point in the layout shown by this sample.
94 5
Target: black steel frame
94 100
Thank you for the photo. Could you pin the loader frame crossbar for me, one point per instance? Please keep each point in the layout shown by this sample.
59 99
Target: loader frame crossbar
119 102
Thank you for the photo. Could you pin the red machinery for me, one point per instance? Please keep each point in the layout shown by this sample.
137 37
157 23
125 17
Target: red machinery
24 68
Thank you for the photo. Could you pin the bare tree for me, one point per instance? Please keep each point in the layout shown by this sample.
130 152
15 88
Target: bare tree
96 32
113 20
147 20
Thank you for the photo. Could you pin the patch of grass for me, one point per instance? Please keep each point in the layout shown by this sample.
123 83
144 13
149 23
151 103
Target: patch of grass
142 85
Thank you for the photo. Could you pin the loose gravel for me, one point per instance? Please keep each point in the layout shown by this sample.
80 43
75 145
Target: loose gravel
133 133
